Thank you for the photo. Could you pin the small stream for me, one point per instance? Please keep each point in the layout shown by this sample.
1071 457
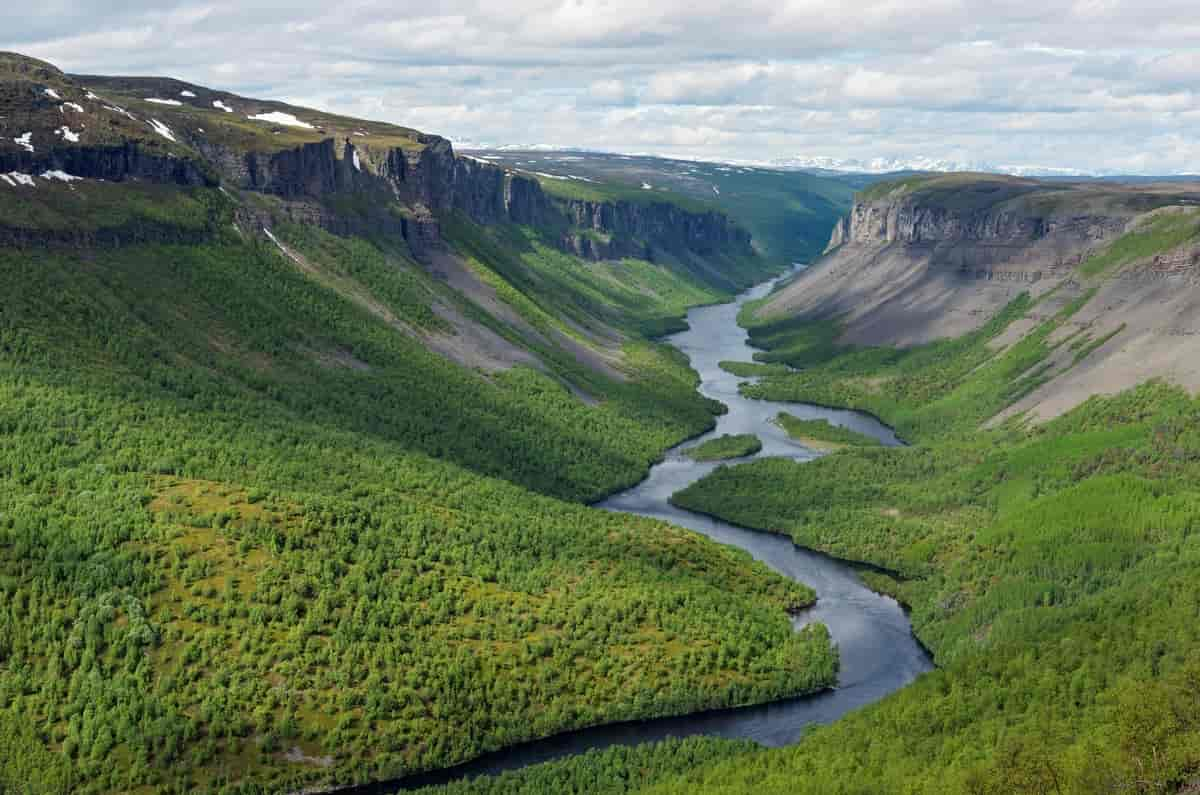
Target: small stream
875 643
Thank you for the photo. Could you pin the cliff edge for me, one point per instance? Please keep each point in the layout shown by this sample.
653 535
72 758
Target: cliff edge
933 257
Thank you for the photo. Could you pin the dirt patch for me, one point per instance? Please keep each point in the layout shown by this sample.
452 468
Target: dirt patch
905 295
451 269
296 755
476 346
1160 338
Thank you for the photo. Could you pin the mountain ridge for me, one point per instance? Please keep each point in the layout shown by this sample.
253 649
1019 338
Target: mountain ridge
165 130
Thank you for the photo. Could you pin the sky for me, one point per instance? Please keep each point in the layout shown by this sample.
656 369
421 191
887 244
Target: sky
1094 85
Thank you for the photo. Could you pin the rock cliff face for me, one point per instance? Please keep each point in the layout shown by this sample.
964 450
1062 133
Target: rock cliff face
915 218
637 229
910 222
924 260
433 180
114 163
350 176
929 259
839 234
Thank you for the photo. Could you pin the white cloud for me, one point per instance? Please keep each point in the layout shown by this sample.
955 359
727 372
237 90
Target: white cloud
1079 83
610 92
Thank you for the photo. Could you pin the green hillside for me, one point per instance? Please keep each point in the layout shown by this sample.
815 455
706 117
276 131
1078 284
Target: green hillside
1050 568
225 546
292 459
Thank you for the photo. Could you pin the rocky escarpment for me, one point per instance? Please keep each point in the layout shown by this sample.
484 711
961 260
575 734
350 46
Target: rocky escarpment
918 262
924 259
841 232
637 229
433 180
350 176
114 163
1001 211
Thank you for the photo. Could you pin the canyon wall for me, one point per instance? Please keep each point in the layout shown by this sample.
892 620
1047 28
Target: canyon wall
910 266
433 180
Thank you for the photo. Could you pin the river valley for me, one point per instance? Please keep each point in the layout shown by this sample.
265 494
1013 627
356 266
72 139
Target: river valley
877 650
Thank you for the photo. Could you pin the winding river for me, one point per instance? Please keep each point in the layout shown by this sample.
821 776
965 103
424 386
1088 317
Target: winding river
877 649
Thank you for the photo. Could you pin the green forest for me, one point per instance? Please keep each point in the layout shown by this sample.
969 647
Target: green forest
256 536
1050 568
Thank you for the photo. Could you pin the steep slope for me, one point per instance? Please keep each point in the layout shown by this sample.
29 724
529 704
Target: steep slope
788 212
1052 568
144 154
929 258
282 397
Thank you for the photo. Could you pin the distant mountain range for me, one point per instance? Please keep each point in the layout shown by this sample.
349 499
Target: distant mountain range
819 164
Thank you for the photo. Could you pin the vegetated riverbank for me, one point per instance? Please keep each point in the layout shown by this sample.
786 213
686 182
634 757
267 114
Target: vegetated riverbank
723 448
877 652
821 435
228 544
1052 569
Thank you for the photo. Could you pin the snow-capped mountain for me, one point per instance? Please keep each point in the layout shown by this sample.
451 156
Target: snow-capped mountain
884 165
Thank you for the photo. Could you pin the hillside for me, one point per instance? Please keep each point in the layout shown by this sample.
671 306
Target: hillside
929 258
1051 567
789 213
296 414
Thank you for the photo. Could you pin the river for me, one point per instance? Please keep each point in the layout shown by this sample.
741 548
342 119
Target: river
875 643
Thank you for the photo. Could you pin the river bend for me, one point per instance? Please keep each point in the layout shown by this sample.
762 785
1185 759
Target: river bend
875 643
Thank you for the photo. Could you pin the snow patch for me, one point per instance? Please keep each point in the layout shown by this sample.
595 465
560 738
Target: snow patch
172 102
357 163
186 93
219 105
716 190
286 253
50 92
61 176
93 97
122 111
65 133
356 132
15 178
73 106
279 117
162 129
8 179
24 142
647 186
548 176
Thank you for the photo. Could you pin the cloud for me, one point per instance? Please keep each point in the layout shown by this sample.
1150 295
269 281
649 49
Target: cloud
1078 83
611 92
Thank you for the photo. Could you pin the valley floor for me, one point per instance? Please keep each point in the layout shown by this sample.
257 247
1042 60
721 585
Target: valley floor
1052 570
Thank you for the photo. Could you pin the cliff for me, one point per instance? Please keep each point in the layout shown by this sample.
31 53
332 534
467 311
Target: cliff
350 176
931 258
433 181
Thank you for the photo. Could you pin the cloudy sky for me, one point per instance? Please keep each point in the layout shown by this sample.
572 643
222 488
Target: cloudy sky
1089 84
